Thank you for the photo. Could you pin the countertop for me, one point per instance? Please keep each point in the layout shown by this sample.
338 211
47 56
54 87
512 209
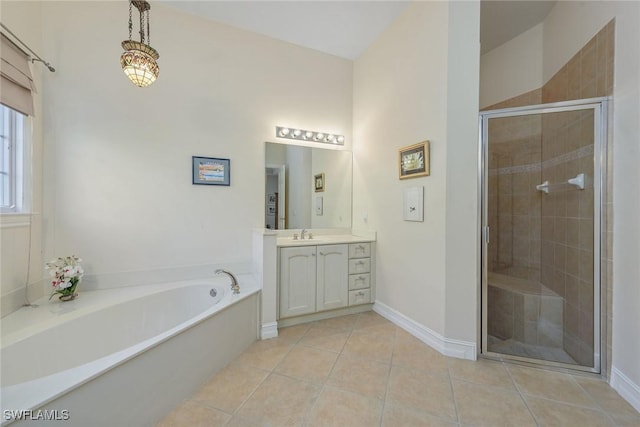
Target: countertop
322 240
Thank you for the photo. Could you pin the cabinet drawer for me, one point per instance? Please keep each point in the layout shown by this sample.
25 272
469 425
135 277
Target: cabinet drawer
362 296
360 250
359 265
359 281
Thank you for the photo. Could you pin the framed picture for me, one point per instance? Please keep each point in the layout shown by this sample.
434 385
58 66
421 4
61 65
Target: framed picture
318 181
413 161
211 171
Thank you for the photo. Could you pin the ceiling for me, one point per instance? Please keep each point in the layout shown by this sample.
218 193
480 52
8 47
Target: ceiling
347 28
500 21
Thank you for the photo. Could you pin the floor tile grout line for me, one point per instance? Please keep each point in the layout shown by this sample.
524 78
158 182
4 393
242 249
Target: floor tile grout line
270 373
595 407
386 390
305 418
237 410
522 395
597 402
453 395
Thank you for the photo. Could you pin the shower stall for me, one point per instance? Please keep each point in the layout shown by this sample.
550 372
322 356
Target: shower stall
542 174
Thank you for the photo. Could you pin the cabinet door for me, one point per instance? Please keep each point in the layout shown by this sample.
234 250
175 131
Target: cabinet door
297 281
333 277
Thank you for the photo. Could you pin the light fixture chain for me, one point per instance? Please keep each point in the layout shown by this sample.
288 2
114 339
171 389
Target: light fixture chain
148 27
130 21
141 26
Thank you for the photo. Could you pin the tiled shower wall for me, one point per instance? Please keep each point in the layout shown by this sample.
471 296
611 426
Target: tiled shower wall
567 225
569 136
514 204
565 236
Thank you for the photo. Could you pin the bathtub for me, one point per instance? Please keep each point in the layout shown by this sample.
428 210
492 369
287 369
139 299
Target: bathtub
123 356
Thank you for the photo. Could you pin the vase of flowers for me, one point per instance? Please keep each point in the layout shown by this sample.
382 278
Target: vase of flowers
65 276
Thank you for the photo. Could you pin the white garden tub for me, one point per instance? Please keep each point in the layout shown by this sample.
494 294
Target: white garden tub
123 356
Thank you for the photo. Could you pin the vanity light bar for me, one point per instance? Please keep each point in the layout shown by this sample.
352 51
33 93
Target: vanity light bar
308 135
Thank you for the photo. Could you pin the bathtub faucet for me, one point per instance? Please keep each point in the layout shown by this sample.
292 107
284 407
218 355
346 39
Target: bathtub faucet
234 282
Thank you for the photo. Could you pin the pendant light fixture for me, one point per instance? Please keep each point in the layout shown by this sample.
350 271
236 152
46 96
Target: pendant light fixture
138 60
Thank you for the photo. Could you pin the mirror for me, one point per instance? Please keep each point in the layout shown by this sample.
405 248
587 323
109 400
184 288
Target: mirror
307 187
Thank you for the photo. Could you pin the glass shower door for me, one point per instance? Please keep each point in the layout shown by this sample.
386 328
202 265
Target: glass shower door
541 182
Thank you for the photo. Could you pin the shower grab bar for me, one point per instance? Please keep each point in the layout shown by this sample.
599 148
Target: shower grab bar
578 182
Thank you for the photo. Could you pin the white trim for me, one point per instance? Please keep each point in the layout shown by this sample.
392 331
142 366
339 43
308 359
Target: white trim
447 346
269 330
323 315
15 220
627 388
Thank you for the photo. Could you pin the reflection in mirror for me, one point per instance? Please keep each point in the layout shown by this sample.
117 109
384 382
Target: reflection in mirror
295 199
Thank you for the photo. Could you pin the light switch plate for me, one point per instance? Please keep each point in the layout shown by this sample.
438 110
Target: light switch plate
319 206
414 204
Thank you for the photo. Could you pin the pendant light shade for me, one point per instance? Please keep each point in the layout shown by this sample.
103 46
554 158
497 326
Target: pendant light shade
138 60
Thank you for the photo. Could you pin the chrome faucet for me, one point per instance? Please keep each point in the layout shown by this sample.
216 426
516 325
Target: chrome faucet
304 230
234 282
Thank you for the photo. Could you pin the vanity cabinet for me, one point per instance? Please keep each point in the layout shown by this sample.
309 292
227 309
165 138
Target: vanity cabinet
297 281
313 278
332 277
359 273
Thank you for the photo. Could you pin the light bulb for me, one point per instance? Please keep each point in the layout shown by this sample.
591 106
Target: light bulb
340 139
284 131
319 136
308 134
330 138
296 133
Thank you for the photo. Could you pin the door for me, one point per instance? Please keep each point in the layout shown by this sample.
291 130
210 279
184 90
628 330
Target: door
276 197
332 277
297 281
541 207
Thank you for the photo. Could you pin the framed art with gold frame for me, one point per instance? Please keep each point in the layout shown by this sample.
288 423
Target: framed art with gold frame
413 161
318 182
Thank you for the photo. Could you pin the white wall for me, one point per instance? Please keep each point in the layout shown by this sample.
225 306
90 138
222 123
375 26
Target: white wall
15 233
118 158
402 88
462 255
513 68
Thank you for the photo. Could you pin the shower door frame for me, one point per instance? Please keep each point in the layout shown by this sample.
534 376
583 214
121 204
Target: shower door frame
600 112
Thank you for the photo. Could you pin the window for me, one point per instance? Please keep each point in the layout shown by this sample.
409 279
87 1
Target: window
12 160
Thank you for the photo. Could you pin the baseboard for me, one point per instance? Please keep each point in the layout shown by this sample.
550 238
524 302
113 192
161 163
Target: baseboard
627 388
322 315
269 330
447 346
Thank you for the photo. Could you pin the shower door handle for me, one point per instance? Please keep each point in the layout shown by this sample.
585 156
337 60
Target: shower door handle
486 235
544 187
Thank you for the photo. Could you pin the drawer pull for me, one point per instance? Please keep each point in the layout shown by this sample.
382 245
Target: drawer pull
361 278
360 294
360 263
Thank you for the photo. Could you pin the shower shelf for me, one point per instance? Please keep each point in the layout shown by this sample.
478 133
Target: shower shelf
578 182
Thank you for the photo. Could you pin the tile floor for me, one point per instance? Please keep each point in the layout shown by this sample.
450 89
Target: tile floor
361 370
